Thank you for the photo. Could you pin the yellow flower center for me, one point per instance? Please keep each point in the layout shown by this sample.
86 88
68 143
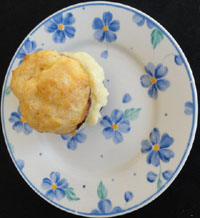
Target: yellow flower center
114 126
60 27
156 147
54 187
23 120
154 80
105 28
73 133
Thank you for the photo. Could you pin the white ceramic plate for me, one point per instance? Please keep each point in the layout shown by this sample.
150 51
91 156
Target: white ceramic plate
147 128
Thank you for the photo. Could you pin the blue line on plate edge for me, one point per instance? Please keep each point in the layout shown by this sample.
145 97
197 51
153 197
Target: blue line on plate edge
193 120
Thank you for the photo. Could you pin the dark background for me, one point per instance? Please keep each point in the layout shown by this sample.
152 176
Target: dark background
182 19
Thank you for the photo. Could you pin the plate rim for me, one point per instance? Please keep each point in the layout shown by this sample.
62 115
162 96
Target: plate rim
194 119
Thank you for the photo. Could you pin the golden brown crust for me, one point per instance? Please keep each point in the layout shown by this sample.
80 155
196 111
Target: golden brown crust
53 91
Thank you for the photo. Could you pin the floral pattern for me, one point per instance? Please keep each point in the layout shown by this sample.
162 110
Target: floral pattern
140 20
61 27
178 60
126 98
189 108
74 138
115 125
29 47
19 124
128 196
154 79
57 188
157 148
104 204
105 28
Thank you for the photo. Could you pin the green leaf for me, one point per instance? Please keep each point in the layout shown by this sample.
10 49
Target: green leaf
7 91
159 184
131 114
156 37
102 191
70 195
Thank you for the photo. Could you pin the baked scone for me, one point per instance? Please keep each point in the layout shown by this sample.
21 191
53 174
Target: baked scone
55 91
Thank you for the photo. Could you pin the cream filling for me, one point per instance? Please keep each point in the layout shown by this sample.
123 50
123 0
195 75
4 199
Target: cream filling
99 93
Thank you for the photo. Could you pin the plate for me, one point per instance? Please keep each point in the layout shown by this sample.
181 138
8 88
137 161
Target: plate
147 128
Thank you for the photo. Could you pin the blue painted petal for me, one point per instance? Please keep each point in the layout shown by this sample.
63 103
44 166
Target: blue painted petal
108 132
95 212
124 126
151 176
59 36
155 136
66 137
59 194
105 206
20 164
150 69
30 46
70 31
69 19
106 121
46 183
153 92
114 26
165 154
80 137
127 98
138 19
99 35
20 62
21 53
149 156
116 210
128 196
189 108
14 117
50 26
118 137
116 116
107 17
146 146
104 54
55 177
162 84
27 129
62 184
18 126
167 174
97 24
166 141
150 24
155 160
72 144
178 60
160 71
58 18
146 81
110 36
50 194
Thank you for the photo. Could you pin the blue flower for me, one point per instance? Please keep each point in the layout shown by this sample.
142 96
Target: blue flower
55 186
19 124
154 79
128 196
105 27
104 207
151 176
140 20
115 126
167 174
189 108
157 148
28 48
61 27
74 138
